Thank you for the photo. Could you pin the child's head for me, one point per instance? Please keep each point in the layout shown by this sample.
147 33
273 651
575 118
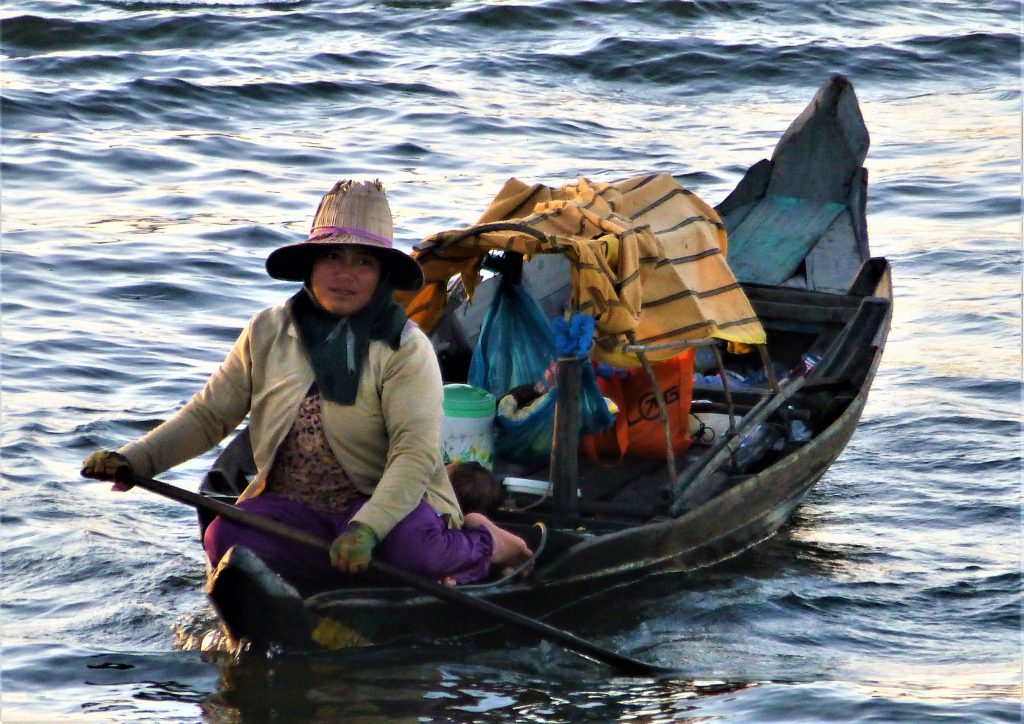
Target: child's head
476 488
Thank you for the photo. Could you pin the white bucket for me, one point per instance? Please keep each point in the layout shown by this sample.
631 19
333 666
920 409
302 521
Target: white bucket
467 428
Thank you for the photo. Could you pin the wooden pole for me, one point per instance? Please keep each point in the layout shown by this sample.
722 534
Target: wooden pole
725 389
766 360
564 470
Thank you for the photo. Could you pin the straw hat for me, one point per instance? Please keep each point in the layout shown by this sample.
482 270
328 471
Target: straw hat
354 213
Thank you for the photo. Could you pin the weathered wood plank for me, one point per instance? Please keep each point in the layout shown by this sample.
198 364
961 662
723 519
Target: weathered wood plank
748 192
802 313
808 297
565 447
820 152
833 261
772 240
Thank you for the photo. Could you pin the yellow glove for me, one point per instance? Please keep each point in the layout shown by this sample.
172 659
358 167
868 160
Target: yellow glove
109 465
350 551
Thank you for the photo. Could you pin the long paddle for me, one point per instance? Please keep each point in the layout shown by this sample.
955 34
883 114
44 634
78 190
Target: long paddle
386 570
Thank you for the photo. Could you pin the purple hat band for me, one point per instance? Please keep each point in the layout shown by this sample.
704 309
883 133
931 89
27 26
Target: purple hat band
332 230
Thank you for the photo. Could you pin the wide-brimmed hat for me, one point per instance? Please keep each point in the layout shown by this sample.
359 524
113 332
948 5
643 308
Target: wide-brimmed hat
351 213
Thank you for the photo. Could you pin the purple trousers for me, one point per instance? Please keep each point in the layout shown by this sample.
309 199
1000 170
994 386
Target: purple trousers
420 543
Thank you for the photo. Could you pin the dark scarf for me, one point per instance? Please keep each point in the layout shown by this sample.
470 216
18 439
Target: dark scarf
337 346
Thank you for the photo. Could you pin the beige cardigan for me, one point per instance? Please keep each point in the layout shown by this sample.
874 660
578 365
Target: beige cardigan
387 441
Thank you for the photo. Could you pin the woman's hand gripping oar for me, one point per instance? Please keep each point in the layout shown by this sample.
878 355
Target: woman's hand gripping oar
385 570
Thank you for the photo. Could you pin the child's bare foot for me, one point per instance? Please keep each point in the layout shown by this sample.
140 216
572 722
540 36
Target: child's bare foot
509 549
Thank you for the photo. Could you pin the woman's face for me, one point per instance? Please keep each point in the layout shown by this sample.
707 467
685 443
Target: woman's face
344 279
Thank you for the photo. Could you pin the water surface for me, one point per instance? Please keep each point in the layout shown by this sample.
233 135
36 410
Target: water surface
154 152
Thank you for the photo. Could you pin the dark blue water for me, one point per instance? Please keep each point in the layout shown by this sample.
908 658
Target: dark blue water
154 152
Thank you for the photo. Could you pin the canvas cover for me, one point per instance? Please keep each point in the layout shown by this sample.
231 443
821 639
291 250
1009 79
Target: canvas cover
648 261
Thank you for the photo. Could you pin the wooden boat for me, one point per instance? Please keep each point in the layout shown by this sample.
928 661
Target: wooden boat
798 244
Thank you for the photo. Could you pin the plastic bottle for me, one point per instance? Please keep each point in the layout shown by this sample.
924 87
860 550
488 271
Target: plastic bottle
755 444
795 423
798 431
806 365
711 379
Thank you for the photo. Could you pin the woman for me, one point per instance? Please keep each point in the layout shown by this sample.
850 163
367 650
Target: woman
344 396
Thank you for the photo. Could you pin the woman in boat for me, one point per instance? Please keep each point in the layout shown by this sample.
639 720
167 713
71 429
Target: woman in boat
344 396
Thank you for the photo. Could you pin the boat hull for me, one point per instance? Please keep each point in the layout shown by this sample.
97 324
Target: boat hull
721 529
687 526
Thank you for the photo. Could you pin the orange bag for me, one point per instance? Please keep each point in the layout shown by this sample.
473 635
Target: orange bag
638 430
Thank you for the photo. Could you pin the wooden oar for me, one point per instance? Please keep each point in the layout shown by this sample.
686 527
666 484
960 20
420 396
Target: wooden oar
570 641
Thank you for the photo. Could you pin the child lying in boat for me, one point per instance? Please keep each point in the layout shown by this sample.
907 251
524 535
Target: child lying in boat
479 493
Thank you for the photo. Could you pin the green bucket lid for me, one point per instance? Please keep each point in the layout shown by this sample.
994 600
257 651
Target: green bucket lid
468 401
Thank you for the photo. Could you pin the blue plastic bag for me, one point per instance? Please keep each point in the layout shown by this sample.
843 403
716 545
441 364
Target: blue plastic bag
515 344
518 347
574 338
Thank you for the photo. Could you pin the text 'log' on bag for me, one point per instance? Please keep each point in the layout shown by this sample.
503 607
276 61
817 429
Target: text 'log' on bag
638 429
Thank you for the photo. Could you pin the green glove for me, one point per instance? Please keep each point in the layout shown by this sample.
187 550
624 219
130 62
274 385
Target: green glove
350 551
109 465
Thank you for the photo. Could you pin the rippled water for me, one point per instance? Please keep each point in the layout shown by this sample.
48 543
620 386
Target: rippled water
155 151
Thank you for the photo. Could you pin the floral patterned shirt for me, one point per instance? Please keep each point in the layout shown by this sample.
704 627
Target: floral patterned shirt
305 469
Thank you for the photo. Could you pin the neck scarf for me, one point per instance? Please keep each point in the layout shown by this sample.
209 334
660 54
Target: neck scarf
337 346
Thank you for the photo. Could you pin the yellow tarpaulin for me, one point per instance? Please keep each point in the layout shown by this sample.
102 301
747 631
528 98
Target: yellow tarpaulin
648 261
